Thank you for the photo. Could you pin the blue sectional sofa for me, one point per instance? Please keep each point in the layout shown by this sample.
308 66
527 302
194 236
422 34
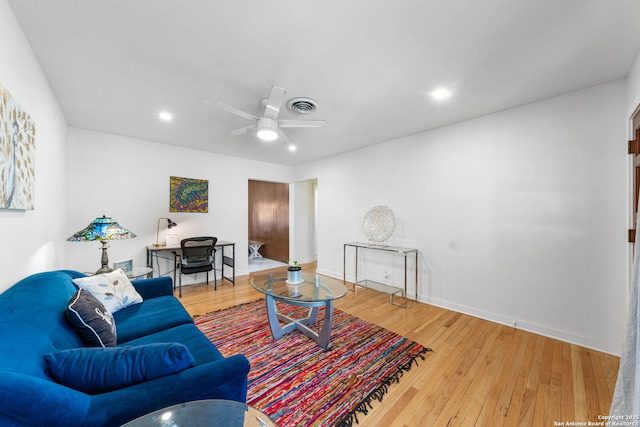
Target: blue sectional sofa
33 324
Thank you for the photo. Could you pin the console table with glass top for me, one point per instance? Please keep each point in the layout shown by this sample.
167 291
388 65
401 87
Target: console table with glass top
366 283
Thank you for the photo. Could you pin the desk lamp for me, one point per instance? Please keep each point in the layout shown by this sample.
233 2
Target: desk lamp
170 224
102 229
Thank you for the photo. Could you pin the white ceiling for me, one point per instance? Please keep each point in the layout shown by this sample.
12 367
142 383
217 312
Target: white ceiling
370 64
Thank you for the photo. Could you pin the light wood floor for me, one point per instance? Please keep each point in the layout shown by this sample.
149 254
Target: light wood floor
480 373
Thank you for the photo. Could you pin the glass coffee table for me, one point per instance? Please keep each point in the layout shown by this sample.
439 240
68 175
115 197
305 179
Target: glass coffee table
313 292
212 412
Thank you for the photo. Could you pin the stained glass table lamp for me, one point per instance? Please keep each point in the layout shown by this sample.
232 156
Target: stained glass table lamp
103 229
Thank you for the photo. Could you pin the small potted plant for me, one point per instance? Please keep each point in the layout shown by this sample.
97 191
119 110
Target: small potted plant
294 275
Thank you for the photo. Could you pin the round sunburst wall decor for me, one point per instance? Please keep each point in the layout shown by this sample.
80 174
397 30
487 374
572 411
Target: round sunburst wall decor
379 224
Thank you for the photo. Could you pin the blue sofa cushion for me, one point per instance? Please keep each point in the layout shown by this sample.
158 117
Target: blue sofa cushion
154 315
91 320
199 346
99 370
113 289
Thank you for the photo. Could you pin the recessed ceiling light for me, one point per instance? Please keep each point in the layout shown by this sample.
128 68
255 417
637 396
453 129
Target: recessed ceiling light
167 117
292 148
441 93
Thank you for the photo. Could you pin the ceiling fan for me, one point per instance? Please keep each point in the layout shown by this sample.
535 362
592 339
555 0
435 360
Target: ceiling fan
268 126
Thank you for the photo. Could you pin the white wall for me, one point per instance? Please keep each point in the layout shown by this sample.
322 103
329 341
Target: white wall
633 87
32 240
128 179
519 216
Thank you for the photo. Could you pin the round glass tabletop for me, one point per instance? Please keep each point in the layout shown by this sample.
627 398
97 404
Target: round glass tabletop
205 413
314 287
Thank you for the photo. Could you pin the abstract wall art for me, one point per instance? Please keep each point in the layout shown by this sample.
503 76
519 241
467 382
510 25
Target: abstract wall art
188 195
17 154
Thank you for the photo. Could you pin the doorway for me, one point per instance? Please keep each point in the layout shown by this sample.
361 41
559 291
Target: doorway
304 224
634 150
268 227
282 223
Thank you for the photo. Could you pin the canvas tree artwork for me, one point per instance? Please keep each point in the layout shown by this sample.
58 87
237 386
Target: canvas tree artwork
17 154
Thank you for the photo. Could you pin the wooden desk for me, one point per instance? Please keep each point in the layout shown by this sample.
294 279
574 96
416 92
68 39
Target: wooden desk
227 249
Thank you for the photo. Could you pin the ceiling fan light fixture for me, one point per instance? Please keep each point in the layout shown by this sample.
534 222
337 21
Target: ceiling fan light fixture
267 129
267 134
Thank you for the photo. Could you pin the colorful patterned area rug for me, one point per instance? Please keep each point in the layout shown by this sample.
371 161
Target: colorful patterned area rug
295 381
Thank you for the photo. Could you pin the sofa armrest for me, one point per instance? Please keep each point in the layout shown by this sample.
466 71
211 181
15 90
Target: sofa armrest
154 287
222 379
29 400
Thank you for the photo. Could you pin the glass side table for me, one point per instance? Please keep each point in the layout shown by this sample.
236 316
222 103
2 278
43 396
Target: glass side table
202 413
139 273
313 292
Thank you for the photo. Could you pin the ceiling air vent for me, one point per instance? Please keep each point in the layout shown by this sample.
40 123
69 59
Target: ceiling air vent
302 105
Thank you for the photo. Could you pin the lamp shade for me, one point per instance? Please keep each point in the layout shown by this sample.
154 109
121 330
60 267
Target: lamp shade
103 228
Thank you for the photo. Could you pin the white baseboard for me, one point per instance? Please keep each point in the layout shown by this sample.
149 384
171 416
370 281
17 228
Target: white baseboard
594 344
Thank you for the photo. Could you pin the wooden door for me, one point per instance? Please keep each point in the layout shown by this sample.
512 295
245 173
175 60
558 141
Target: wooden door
634 150
269 218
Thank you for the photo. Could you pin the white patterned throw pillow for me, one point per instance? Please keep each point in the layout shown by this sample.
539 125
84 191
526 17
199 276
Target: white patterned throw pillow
114 289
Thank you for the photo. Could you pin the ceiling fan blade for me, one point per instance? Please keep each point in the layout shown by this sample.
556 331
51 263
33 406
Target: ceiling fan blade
300 123
284 137
242 130
276 97
229 109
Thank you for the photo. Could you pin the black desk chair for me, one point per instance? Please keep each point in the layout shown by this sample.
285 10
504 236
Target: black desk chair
198 256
